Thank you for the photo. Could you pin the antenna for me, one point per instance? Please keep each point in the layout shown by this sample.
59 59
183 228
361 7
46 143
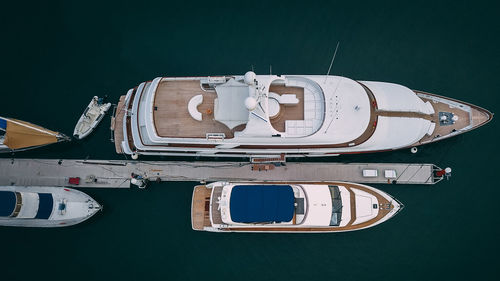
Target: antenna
331 63
270 69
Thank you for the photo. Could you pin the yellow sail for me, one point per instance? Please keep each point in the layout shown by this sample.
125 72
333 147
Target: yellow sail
20 134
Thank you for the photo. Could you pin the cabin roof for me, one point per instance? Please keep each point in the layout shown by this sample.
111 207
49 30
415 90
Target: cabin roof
261 203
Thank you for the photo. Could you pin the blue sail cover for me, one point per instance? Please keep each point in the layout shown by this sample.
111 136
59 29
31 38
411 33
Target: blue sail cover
261 203
3 124
7 203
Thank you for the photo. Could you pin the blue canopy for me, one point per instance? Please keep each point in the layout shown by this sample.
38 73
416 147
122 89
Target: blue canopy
3 124
261 203
7 203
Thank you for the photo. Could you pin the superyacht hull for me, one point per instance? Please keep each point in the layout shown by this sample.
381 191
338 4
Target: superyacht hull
285 116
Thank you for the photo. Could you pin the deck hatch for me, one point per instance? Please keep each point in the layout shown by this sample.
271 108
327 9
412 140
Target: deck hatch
261 203
45 206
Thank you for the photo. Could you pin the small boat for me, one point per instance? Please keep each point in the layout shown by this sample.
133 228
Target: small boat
35 206
17 135
267 116
289 207
91 117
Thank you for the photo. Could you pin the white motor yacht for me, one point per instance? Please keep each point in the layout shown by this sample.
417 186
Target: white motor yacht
289 207
37 206
283 115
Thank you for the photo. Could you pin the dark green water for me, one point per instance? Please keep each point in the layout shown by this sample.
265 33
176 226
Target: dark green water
57 55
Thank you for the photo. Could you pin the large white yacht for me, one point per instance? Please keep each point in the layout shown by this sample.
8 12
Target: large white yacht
289 207
37 206
293 115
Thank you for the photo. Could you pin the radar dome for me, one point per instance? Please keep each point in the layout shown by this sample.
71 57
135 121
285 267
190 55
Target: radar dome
250 103
250 78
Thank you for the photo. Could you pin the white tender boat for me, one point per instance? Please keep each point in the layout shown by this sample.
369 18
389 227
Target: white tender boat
278 115
289 207
36 206
17 135
91 117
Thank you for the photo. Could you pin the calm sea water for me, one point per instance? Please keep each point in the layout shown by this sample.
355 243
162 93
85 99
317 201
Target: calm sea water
56 55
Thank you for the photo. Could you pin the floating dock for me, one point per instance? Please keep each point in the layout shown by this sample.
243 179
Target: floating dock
117 174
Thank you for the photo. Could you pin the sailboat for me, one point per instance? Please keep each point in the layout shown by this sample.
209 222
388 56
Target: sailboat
17 135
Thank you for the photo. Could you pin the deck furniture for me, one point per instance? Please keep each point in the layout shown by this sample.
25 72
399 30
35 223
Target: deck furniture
193 104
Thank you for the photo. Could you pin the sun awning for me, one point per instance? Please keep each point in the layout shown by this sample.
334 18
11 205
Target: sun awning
261 203
229 106
20 134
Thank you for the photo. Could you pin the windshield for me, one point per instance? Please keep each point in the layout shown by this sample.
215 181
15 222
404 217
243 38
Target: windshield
336 205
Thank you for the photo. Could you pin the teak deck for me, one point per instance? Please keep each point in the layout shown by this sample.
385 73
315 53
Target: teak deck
199 212
288 112
117 124
172 118
464 119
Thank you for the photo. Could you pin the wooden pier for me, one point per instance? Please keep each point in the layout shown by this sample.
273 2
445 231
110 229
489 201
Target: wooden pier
117 174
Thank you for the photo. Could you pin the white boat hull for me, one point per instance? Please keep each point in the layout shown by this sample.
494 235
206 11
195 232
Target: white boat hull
69 207
315 207
91 117
386 117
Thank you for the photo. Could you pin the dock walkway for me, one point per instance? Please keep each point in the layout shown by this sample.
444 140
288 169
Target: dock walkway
117 174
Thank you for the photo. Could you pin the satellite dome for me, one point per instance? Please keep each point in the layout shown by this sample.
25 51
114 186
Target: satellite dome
250 103
250 78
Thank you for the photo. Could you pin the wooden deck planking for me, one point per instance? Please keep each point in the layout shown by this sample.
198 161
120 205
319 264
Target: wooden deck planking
172 118
118 124
288 112
478 117
199 216
462 122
